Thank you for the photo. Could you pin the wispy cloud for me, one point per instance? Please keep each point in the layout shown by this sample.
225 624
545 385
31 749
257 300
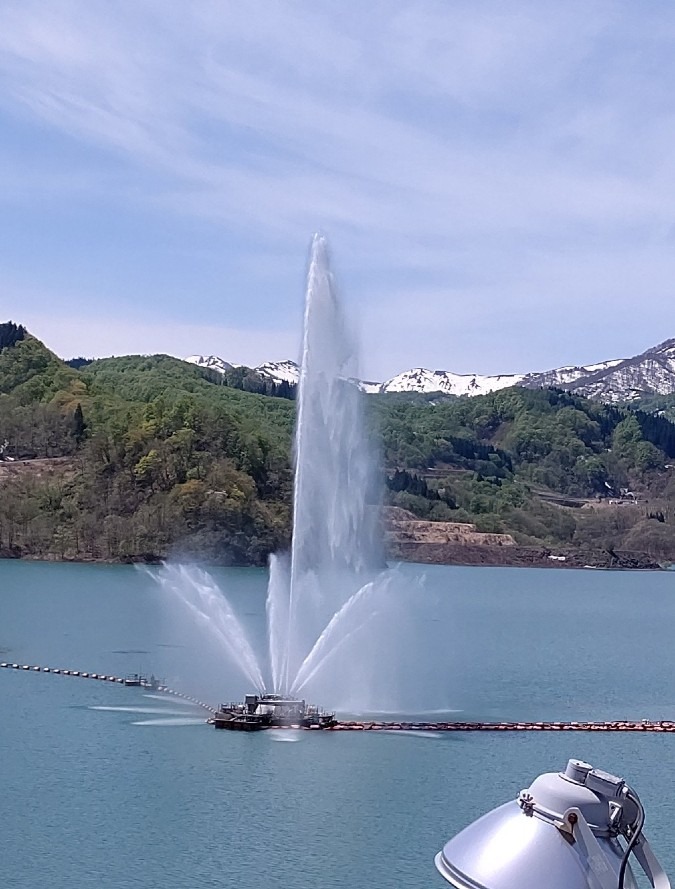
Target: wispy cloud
475 165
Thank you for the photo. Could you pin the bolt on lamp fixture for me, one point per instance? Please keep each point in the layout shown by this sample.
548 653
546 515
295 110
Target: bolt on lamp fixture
569 830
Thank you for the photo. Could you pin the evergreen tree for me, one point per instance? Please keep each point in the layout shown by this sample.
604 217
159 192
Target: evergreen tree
79 363
78 427
11 334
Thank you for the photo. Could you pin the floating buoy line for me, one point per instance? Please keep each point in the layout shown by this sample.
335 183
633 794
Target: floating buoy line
644 725
612 726
134 681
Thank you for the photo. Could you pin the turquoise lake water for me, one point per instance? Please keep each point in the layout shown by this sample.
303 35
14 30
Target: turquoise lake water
106 787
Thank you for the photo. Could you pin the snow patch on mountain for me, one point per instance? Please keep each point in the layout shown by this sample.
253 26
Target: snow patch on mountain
280 371
368 386
419 379
564 376
622 379
213 362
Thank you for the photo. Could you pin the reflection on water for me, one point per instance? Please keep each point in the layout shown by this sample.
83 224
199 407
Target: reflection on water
411 733
139 710
289 735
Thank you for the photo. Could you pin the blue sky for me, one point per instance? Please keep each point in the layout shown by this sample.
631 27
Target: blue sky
496 179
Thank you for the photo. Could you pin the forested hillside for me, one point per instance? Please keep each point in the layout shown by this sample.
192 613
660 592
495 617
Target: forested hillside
142 457
663 405
156 459
545 465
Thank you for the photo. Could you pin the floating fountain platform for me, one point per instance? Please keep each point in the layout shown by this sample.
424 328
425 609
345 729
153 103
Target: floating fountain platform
139 680
265 711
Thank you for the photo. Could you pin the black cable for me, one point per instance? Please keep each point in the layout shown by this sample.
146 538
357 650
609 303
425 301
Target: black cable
635 835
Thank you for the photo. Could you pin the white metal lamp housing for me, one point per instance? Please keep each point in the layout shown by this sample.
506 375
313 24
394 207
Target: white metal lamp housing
569 830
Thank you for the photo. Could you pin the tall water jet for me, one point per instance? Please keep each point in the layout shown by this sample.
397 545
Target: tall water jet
334 466
334 528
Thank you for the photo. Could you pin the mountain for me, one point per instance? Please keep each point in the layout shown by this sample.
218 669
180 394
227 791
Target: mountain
212 362
421 380
620 379
623 379
416 380
289 372
280 371
564 377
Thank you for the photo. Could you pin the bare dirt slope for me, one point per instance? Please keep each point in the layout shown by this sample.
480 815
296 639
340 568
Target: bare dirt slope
453 543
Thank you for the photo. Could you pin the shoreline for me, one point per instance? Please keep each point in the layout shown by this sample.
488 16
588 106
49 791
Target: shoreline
516 556
461 555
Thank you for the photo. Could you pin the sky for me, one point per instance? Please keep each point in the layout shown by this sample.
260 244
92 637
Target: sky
496 177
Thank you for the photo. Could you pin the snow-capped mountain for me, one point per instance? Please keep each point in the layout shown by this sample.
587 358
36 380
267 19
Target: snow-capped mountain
564 377
421 380
279 371
650 373
417 380
210 361
621 379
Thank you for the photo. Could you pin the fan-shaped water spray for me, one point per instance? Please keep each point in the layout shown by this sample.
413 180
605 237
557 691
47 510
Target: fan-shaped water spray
200 595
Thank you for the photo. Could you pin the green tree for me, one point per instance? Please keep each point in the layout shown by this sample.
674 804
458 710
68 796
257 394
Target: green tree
627 436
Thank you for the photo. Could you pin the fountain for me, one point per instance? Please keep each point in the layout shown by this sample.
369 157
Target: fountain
328 592
334 531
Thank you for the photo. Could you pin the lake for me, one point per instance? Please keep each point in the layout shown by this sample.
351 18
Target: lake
106 786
